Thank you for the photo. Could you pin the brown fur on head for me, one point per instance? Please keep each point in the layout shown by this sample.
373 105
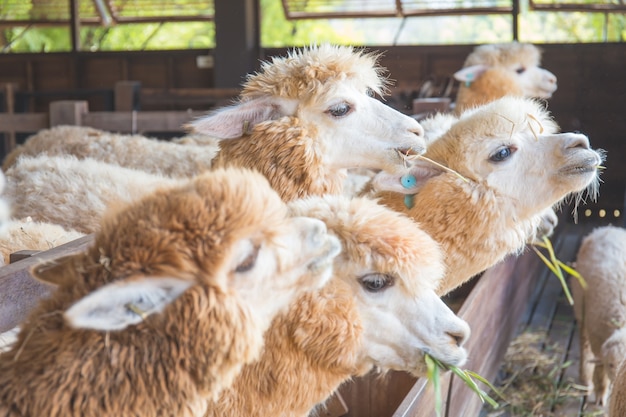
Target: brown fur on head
185 231
305 74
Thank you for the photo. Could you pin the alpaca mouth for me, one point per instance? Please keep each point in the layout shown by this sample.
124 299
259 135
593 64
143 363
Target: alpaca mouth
409 151
326 258
585 166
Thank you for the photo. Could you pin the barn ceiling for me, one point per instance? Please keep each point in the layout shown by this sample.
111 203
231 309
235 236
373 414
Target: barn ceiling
105 11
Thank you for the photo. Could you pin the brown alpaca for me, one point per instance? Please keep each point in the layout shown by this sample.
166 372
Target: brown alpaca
514 166
497 70
161 313
379 311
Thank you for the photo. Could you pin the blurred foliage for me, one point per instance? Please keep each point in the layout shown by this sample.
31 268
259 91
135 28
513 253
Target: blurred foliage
276 31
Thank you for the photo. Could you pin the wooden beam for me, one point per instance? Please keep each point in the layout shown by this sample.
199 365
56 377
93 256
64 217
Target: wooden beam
237 41
20 292
75 25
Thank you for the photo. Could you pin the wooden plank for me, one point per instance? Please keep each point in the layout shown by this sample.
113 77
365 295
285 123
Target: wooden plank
23 122
20 292
66 112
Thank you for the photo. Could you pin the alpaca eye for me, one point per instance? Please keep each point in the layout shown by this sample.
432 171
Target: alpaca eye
249 261
376 282
370 92
339 110
520 70
501 154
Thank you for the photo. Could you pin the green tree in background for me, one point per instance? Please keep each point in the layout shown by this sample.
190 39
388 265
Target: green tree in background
276 31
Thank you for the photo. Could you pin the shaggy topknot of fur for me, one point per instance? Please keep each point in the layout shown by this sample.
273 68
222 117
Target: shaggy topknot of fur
504 54
304 73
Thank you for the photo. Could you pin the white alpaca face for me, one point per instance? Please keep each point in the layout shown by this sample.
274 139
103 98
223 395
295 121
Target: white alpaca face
268 273
534 171
536 81
357 130
401 322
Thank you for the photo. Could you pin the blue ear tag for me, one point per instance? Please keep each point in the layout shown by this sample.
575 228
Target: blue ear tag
408 181
408 200
469 79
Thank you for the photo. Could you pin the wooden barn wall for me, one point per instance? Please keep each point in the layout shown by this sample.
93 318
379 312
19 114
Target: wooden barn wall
591 97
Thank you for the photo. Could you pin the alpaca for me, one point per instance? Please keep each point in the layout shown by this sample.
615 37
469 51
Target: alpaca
496 70
378 312
168 158
74 193
513 166
197 270
305 119
600 308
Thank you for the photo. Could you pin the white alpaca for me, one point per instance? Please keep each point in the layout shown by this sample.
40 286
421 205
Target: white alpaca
169 158
513 166
600 309
378 312
497 70
74 193
305 119
173 298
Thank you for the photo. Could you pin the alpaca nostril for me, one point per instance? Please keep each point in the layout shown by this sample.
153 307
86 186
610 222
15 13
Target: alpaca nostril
418 132
458 337
578 141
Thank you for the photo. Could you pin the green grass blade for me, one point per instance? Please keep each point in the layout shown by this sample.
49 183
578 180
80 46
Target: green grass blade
432 366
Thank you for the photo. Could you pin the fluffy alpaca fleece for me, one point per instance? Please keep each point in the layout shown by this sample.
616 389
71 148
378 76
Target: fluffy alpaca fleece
496 70
176 158
306 118
379 311
172 299
600 309
74 193
617 400
514 167
31 235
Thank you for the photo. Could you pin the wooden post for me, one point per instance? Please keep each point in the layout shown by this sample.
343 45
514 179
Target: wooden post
9 103
67 112
127 95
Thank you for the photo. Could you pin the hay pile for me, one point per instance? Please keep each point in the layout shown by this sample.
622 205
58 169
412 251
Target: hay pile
530 380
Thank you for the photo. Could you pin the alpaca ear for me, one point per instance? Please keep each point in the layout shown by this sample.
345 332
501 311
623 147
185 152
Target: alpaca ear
237 120
56 271
408 182
471 73
120 304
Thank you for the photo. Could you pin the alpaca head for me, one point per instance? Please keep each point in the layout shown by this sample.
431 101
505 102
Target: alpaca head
392 269
226 230
514 70
329 92
510 149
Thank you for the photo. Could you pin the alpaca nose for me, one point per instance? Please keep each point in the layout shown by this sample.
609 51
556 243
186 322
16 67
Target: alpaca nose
576 140
460 334
551 78
418 130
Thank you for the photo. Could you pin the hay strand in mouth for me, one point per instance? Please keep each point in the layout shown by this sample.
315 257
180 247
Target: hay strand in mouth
410 157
